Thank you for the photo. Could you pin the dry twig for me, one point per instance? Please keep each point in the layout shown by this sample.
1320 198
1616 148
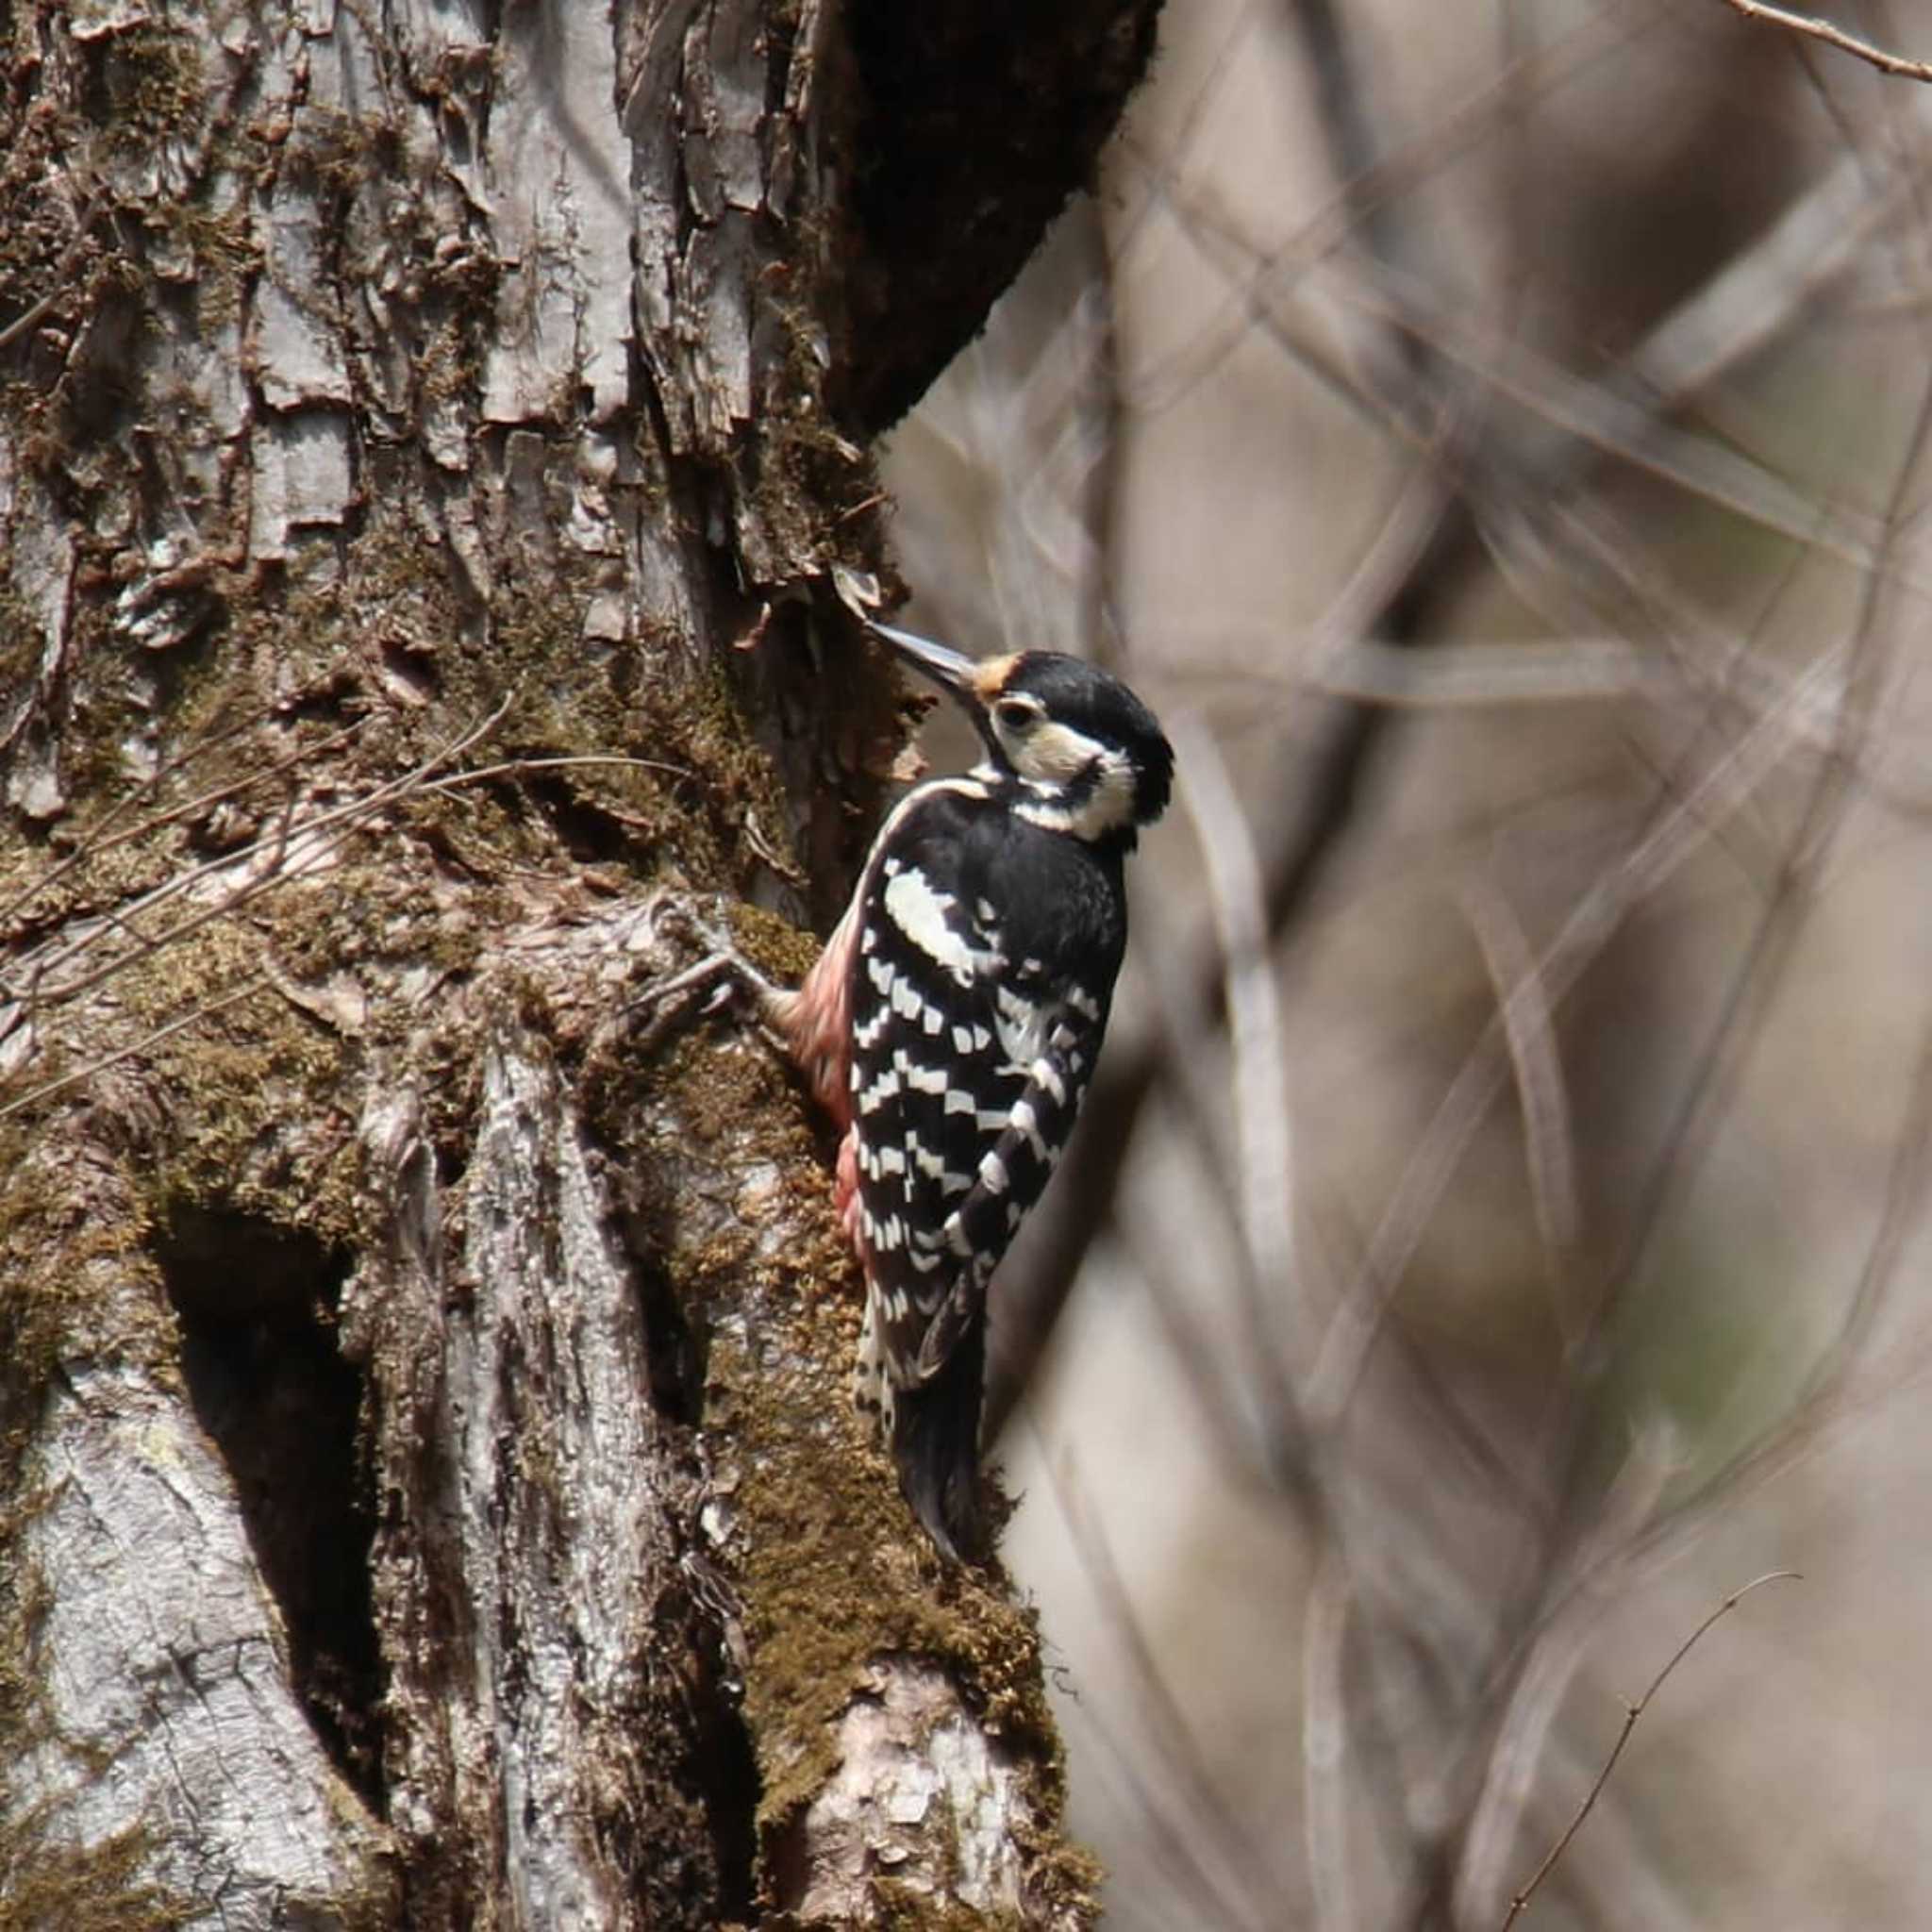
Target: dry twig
1880 58
1631 1714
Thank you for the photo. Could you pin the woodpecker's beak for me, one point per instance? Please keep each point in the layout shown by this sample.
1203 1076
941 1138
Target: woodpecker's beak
973 683
952 668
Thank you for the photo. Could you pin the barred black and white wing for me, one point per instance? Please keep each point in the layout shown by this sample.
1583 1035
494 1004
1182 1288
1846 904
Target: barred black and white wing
975 1022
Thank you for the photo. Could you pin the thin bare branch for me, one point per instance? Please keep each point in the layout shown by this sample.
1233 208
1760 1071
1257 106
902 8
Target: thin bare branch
1185 1335
1633 431
1771 943
1434 538
1632 1712
515 768
1883 58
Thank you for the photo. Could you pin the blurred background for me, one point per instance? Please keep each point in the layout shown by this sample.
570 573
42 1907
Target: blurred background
1494 436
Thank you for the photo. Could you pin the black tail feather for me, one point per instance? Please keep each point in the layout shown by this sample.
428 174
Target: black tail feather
935 1445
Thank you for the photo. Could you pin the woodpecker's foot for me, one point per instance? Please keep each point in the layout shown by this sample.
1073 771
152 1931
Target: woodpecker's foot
722 978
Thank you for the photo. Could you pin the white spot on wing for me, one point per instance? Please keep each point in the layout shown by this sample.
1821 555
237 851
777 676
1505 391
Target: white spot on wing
881 1090
919 911
1023 1027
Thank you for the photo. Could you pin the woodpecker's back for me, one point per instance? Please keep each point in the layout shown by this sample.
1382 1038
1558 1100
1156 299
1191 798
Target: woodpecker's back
966 992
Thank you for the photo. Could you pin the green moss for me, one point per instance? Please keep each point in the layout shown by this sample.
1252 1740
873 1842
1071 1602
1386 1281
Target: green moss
23 1603
22 640
700 784
837 1573
902 1908
227 257
236 1078
149 88
339 152
97 1888
60 1225
774 945
236 1083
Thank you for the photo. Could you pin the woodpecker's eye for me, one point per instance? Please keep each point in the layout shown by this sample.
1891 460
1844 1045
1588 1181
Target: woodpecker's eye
1016 714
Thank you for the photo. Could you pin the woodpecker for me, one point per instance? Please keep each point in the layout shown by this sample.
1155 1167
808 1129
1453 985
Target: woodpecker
952 1022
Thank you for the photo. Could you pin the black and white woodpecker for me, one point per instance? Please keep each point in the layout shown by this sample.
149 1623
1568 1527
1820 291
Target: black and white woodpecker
952 1022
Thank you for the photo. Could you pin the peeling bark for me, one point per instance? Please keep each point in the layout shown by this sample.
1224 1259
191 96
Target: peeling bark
428 1494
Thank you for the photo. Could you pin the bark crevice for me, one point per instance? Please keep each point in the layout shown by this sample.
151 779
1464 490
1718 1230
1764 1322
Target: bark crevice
270 1386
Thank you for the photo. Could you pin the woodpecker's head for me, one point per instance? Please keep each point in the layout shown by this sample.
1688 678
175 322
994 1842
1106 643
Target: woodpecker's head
1084 755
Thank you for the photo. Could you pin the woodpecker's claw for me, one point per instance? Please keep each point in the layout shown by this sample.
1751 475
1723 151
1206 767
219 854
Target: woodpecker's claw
672 920
714 977
723 977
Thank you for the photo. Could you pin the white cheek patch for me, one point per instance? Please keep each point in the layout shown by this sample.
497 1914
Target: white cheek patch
1113 798
1053 764
1057 753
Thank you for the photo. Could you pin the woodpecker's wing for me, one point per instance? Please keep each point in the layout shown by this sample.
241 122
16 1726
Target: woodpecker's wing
1010 1177
985 964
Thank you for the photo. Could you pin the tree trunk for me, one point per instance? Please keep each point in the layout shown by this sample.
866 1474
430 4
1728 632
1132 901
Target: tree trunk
428 1491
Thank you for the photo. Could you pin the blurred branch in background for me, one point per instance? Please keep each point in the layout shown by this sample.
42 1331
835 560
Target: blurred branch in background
1493 435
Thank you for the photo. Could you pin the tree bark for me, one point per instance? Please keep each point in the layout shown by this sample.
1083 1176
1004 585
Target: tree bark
428 1491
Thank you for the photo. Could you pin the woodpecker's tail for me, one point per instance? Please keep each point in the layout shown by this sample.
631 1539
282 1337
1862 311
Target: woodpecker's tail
935 1445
